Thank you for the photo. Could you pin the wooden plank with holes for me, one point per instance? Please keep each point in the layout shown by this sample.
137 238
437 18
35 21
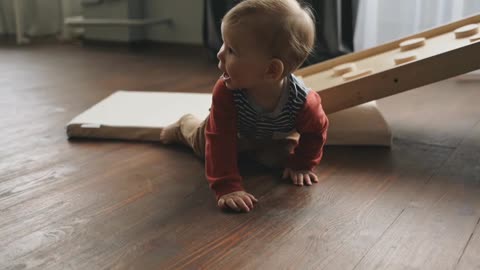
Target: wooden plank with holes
447 51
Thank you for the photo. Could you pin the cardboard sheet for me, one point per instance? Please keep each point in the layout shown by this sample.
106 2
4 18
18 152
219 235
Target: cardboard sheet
134 115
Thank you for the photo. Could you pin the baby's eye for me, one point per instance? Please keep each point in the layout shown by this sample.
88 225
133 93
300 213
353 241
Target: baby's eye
230 50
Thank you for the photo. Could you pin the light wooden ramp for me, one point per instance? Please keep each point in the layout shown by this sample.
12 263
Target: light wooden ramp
132 115
398 66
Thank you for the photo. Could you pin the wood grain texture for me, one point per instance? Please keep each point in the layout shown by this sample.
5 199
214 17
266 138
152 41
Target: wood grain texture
464 172
97 204
441 50
469 259
436 228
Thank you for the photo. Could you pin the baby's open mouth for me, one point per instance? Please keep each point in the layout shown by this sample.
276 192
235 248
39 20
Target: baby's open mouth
225 76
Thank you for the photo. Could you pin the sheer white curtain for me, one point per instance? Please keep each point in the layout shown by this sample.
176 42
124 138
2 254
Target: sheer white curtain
380 21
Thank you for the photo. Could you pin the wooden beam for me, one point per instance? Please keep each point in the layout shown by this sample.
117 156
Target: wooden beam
403 78
443 57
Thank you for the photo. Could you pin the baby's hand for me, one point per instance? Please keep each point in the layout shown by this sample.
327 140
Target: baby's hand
299 177
238 201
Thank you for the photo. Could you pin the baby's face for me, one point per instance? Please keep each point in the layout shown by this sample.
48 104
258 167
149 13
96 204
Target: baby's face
242 62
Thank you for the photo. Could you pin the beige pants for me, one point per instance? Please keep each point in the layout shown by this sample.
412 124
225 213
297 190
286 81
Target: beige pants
270 153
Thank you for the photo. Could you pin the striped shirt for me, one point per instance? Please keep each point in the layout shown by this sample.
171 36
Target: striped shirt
254 123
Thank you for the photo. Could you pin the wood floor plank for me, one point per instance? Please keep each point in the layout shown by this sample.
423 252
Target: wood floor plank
34 175
134 222
470 257
57 195
86 209
467 166
50 181
289 218
434 231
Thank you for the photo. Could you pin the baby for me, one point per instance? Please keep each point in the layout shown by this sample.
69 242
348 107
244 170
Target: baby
258 106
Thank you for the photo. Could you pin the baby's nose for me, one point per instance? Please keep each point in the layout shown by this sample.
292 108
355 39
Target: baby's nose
220 53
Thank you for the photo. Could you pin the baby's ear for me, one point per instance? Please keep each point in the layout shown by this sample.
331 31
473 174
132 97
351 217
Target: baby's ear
275 69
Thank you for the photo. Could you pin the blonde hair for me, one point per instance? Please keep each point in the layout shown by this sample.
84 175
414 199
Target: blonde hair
284 28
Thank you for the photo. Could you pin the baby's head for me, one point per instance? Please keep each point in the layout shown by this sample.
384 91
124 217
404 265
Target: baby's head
272 32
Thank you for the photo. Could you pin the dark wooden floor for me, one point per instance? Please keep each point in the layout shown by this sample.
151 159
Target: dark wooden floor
117 205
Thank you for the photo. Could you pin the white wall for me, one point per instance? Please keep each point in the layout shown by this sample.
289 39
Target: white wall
72 7
41 17
111 9
187 16
7 22
44 17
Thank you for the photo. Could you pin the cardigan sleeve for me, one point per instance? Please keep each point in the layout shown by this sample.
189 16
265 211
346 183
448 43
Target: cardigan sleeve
221 167
312 124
